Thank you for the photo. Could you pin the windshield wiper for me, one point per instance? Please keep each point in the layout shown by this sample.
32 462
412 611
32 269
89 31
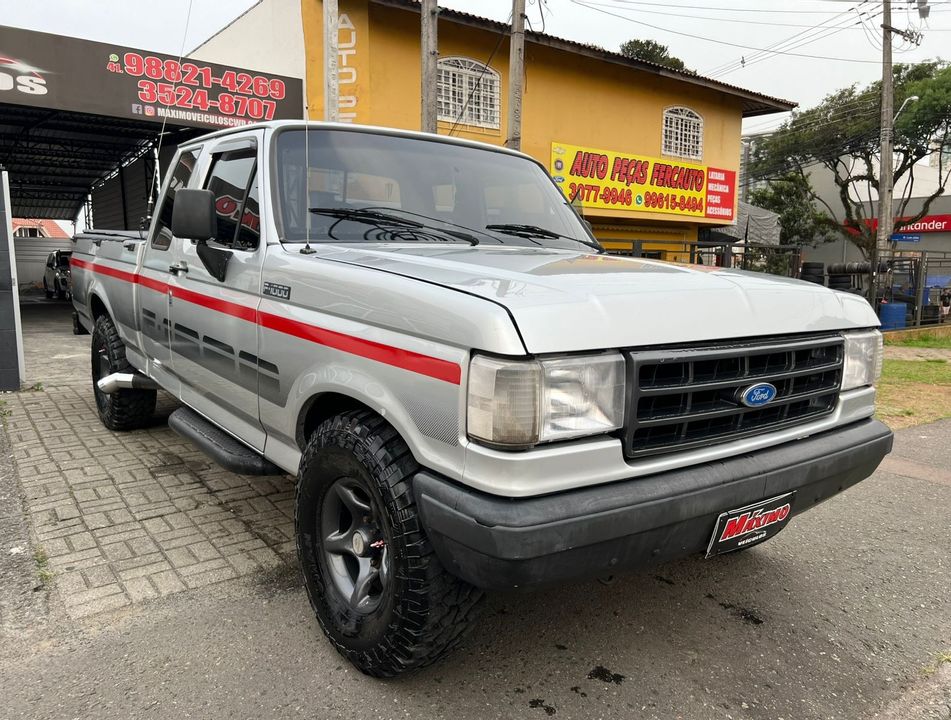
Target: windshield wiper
371 217
535 231
383 219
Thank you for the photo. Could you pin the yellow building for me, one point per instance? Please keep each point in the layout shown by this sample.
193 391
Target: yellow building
650 154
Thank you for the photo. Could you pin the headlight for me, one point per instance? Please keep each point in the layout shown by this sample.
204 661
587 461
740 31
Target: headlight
863 359
524 402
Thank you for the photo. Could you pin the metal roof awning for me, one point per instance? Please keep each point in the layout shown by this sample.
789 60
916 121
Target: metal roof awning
54 157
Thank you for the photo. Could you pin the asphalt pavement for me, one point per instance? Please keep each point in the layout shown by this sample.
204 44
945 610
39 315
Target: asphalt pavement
842 615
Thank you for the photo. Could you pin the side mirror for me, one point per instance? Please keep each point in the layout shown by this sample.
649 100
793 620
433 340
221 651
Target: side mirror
193 215
194 218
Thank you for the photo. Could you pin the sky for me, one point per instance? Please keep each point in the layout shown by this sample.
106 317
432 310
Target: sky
826 44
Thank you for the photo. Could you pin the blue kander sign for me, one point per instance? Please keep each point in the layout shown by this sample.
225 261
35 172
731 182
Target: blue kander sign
905 237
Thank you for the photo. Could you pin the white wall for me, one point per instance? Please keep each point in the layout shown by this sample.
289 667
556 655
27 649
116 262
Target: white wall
926 181
269 37
31 256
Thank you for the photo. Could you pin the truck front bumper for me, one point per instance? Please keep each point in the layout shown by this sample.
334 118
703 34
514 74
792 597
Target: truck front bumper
495 542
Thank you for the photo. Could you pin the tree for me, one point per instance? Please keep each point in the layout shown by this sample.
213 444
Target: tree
800 222
842 135
653 52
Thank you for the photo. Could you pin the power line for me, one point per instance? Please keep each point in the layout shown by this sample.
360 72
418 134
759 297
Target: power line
728 9
503 33
715 19
816 32
722 42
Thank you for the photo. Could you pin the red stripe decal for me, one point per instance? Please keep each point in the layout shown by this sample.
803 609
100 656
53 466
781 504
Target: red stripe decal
437 368
156 285
405 359
223 306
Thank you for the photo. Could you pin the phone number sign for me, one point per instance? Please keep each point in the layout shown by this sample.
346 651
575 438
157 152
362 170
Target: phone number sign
612 180
64 73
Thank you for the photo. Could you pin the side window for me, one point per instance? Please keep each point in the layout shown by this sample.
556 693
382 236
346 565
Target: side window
180 177
249 229
230 180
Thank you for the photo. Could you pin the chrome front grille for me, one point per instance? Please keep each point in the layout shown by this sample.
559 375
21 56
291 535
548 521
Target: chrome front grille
689 397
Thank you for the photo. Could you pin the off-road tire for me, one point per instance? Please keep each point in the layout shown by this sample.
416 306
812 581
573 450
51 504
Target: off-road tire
125 409
424 611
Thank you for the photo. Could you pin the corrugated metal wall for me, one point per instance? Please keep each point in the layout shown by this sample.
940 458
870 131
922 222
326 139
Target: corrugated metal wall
121 202
31 254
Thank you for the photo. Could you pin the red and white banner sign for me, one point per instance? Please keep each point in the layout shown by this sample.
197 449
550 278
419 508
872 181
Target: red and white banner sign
927 224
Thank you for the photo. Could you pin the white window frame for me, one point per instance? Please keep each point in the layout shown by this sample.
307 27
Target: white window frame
682 133
468 92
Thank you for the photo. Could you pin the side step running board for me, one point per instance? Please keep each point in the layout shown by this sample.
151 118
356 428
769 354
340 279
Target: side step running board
220 446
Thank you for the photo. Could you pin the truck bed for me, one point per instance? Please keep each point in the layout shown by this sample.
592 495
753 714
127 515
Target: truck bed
105 264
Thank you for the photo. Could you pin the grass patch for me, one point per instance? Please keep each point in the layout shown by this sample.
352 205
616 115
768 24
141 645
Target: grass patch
912 392
940 659
43 570
921 340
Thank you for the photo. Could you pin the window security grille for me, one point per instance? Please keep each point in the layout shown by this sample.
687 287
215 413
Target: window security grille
683 133
467 93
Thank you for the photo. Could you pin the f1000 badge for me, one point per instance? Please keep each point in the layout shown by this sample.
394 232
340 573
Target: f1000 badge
282 292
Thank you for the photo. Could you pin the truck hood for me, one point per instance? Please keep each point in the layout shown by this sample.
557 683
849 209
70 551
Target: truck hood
564 301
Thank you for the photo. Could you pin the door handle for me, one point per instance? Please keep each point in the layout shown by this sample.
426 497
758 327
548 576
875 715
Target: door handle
179 267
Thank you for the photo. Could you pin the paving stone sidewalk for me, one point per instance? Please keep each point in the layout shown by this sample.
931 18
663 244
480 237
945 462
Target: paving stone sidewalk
126 517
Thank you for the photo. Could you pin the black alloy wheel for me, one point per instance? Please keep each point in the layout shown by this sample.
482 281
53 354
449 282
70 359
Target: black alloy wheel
354 547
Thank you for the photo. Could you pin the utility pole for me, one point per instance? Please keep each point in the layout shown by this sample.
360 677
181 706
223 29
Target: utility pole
331 56
516 76
886 175
429 57
885 172
745 170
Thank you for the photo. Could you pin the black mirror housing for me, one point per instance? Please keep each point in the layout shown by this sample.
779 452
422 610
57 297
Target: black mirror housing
193 215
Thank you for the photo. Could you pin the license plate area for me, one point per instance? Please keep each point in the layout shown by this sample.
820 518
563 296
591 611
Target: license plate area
746 526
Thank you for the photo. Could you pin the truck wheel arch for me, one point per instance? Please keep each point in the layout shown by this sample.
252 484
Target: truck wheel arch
323 406
97 307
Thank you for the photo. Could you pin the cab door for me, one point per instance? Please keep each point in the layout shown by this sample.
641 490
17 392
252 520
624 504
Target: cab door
152 292
213 321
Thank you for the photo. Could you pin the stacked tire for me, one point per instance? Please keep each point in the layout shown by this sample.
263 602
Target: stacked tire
840 281
855 268
813 272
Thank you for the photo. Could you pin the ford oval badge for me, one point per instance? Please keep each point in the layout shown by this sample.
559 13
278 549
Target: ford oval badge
757 395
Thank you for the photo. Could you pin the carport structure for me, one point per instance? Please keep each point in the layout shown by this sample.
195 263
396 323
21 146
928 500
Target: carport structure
56 157
83 125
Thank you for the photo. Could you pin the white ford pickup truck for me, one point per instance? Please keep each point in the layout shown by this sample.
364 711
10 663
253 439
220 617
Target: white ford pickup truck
471 394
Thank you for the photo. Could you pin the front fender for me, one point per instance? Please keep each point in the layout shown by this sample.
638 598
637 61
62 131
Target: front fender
426 412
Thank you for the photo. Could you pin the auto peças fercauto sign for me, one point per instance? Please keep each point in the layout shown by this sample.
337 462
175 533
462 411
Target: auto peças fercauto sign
612 180
63 73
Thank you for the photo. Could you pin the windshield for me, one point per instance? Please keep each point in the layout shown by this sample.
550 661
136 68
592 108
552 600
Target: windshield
63 259
450 189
